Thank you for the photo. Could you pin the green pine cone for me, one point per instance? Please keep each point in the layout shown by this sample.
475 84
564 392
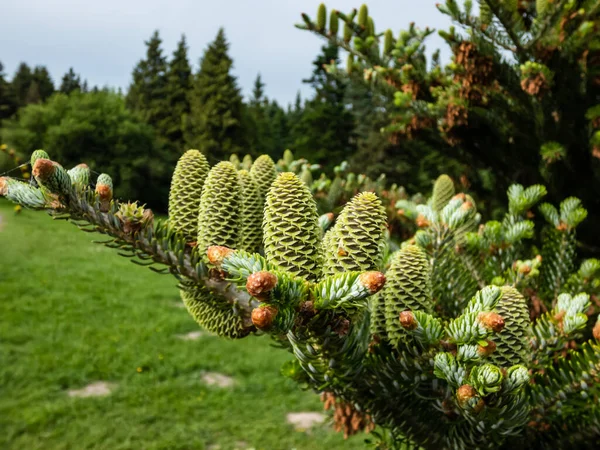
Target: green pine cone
264 173
251 214
370 27
354 244
247 162
52 176
363 15
443 191
218 217
541 6
233 159
80 175
512 342
38 154
184 195
334 23
485 13
288 157
347 33
378 321
213 315
291 227
388 42
407 288
321 17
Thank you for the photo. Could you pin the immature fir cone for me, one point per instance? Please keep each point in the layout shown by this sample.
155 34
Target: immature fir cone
512 342
215 316
355 239
80 175
264 173
218 218
291 227
443 191
251 214
407 288
52 176
38 154
184 195
104 189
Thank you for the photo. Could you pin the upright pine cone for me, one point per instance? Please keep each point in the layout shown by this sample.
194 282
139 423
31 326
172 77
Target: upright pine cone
407 288
218 218
251 214
38 154
291 227
264 173
378 320
512 342
184 196
443 191
356 237
215 316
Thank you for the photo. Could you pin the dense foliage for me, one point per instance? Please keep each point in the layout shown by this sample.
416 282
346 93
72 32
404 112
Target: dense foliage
468 335
518 102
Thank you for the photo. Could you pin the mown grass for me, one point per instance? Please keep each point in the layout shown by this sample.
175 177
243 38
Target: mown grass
72 313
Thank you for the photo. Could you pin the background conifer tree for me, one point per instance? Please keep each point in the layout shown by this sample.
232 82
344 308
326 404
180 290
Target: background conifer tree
325 131
70 82
8 102
179 83
148 93
215 123
21 82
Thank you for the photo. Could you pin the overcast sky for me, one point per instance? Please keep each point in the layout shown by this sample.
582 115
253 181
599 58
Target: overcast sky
104 39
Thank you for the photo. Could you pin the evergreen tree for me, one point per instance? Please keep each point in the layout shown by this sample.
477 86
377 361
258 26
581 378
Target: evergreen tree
148 93
70 82
179 84
258 126
215 124
325 131
21 82
8 103
45 85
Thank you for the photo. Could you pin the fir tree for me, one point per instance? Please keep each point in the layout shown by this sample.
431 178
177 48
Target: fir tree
70 82
215 122
325 131
8 102
179 83
148 93
45 85
21 82
258 126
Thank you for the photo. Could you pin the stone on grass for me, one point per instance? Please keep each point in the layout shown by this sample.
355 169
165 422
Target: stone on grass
217 379
97 389
305 420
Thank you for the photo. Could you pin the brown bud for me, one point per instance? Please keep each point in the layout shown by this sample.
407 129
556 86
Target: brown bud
407 320
217 253
421 221
3 185
147 217
466 206
460 195
263 316
373 281
596 331
260 283
464 394
342 327
330 216
538 258
492 321
525 269
43 168
486 350
104 191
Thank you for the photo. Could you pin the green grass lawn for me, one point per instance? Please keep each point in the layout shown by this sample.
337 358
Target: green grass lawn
73 313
